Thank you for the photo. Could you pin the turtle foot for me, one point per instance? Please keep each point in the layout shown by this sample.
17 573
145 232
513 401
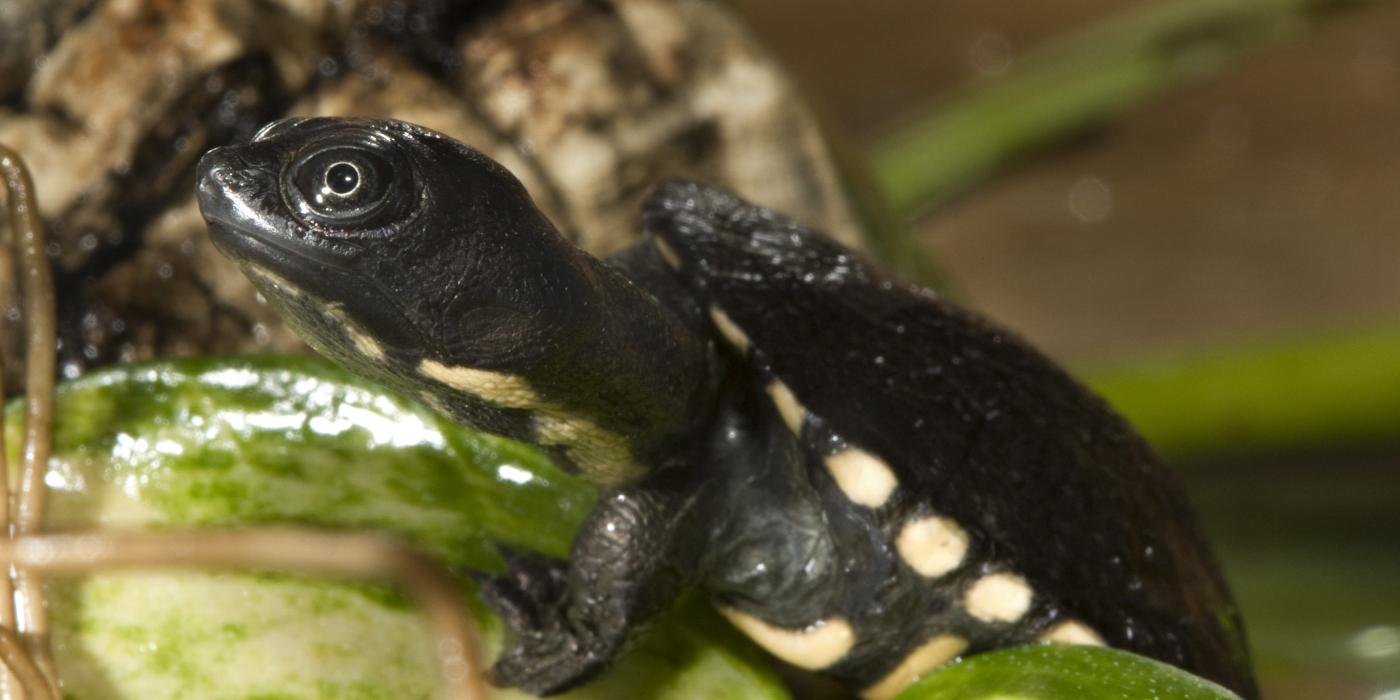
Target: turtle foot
546 651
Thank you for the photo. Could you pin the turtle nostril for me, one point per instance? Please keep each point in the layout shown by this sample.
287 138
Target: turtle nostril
220 176
229 178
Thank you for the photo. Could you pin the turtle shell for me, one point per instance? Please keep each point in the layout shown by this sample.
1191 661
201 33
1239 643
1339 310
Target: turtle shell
967 421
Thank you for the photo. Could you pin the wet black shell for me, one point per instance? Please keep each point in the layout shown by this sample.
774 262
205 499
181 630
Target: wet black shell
975 424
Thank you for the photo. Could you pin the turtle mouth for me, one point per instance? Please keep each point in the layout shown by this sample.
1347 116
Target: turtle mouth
245 215
238 201
240 206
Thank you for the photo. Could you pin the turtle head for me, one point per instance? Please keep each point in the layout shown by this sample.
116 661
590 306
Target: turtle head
385 239
425 265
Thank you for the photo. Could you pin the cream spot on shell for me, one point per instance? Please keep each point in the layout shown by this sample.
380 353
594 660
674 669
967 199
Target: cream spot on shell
667 253
936 652
814 647
863 477
729 329
999 597
1073 632
792 412
932 545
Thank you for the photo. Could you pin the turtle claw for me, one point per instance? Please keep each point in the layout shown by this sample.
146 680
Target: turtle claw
545 653
549 661
532 590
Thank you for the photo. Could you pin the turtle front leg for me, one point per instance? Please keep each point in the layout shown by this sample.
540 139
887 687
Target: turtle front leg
566 621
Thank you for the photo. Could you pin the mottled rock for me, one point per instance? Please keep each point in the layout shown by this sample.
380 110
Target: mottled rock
589 102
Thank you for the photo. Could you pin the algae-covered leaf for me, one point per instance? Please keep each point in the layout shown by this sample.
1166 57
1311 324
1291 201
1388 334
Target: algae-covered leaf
1062 672
222 443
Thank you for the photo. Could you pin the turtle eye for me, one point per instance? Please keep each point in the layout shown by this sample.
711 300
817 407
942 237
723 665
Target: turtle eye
346 187
342 179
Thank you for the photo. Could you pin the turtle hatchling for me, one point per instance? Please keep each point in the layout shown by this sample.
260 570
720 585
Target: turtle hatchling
866 479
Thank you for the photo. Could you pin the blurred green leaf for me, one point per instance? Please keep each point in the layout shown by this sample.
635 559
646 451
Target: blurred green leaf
1078 82
226 442
1307 393
1062 672
242 441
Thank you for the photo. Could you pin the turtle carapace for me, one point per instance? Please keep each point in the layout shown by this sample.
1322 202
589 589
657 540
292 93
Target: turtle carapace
866 479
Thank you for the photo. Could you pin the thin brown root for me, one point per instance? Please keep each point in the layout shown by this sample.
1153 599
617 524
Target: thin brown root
35 632
11 655
357 555
15 654
36 284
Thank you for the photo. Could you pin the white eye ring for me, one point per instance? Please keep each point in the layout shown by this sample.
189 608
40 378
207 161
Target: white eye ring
326 188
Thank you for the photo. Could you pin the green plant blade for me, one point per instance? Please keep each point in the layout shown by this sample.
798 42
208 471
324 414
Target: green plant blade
227 442
1303 394
1060 672
1080 81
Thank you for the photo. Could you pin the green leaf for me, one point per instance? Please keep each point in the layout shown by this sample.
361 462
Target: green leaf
1079 81
240 441
226 442
1061 672
1289 394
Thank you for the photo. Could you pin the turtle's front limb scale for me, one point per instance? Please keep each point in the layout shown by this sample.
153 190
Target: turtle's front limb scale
567 621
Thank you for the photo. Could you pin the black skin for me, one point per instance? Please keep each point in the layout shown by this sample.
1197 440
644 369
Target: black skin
439 254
